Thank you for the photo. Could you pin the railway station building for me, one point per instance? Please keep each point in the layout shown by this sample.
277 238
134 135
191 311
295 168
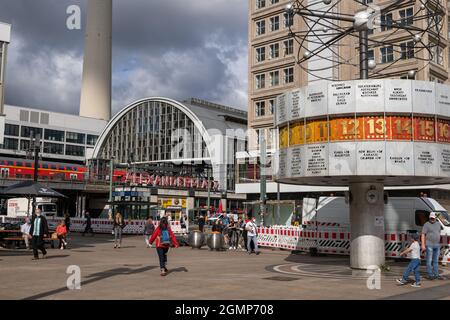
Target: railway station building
178 157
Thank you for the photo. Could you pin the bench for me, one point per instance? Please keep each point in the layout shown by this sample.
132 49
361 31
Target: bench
19 240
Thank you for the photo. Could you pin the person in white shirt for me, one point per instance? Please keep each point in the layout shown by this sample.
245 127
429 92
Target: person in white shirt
25 229
414 265
252 235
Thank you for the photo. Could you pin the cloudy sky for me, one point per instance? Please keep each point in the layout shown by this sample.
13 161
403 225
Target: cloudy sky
173 48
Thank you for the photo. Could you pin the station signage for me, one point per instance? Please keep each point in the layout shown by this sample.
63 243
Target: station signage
172 181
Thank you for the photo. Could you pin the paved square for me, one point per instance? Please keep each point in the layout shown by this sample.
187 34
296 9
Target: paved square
132 272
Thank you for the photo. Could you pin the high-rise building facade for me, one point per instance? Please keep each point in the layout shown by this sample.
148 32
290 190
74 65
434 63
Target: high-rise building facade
273 53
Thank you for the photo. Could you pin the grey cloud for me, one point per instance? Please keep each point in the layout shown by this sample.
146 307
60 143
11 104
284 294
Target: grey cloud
173 48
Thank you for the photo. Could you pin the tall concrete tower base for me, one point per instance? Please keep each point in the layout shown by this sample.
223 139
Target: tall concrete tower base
367 225
96 86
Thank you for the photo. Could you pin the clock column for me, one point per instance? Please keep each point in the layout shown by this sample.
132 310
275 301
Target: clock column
366 202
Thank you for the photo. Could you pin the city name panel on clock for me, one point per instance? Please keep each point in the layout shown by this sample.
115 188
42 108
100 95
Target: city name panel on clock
339 132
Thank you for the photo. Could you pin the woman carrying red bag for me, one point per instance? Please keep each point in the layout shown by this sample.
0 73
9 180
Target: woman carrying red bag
163 236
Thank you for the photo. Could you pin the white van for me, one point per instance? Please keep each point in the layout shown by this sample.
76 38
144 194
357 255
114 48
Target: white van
401 214
22 207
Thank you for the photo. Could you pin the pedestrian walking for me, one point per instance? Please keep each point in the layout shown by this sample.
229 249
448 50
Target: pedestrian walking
252 236
201 223
183 226
414 265
118 225
61 233
245 233
88 224
38 230
240 226
67 221
163 236
431 237
148 231
232 234
25 229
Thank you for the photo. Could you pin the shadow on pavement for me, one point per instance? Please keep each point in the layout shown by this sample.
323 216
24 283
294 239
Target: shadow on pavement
94 278
320 259
49 257
180 269
432 293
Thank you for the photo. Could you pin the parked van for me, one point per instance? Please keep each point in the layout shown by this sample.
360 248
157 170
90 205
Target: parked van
22 207
401 214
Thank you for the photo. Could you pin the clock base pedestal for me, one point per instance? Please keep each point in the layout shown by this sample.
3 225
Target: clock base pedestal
367 225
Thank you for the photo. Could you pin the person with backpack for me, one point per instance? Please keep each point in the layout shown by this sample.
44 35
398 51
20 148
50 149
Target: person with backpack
163 236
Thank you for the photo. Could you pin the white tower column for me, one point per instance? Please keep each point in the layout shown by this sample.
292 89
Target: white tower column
95 99
367 225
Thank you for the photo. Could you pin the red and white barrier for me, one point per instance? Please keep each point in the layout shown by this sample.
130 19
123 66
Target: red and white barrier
332 242
105 225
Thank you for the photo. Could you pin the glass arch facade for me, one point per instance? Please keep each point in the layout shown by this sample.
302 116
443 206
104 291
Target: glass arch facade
153 131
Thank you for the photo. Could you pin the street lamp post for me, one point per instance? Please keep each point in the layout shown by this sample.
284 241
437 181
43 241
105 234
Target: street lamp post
36 148
263 180
111 175
208 203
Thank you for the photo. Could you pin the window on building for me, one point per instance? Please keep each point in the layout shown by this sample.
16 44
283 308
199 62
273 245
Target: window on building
10 144
54 135
407 17
91 140
274 78
438 54
274 1
371 55
260 54
77 151
260 27
29 132
260 81
24 115
260 4
74 137
289 75
11 130
271 106
288 47
437 80
53 148
407 50
386 22
288 18
387 54
260 108
436 23
25 145
274 51
275 23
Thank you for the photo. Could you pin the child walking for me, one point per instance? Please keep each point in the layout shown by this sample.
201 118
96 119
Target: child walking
163 234
414 265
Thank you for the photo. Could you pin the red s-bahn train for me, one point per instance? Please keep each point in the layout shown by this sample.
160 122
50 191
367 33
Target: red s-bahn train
11 168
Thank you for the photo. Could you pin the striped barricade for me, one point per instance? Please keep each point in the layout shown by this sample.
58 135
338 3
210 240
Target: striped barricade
104 225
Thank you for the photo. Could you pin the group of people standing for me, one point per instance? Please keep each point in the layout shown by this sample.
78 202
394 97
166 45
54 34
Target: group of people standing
233 231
